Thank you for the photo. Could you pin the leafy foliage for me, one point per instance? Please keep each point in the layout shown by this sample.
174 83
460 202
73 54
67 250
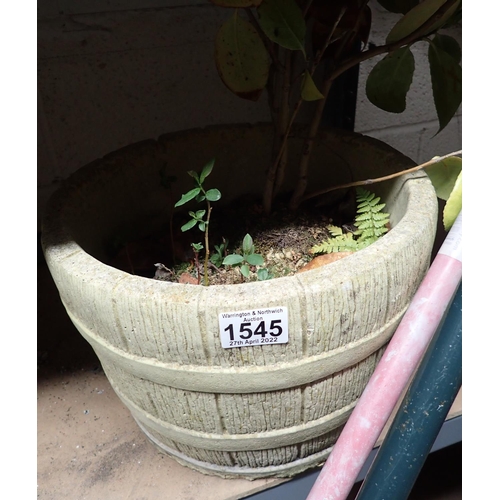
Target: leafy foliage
200 217
416 17
398 6
453 205
277 46
282 22
391 78
446 177
199 192
247 258
446 77
241 58
339 242
370 221
443 175
389 81
308 90
220 252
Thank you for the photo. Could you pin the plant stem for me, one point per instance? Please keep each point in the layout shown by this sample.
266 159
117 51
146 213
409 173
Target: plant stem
383 49
306 8
272 99
336 72
380 179
207 248
197 264
271 185
275 71
284 130
314 126
271 173
283 121
307 148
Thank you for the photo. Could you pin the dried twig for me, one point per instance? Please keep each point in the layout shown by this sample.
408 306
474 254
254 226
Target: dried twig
380 179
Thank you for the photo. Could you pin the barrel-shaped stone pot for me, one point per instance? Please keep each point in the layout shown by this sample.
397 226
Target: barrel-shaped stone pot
255 410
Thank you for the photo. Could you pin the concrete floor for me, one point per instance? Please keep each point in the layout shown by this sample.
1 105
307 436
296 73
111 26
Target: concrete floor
89 447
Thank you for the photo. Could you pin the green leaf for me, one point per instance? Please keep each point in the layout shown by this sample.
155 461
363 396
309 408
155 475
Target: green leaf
446 77
190 224
194 175
202 225
241 58
389 81
232 260
245 270
197 247
398 6
206 171
236 3
417 16
199 214
335 230
444 174
188 197
282 22
449 14
247 245
262 274
213 195
309 91
454 19
453 206
216 260
450 45
254 259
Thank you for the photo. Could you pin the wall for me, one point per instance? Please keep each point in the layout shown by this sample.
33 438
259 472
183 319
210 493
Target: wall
413 131
119 71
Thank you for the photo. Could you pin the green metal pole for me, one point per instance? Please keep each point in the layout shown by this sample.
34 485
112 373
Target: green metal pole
421 415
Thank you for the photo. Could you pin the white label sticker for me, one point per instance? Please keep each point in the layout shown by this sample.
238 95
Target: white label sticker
266 326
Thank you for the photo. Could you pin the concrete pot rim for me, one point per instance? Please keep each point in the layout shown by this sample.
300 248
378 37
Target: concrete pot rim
60 247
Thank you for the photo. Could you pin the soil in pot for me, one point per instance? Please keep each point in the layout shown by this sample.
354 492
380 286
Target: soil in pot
284 239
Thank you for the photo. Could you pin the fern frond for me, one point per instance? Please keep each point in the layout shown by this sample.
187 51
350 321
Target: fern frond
334 230
377 208
364 216
371 223
341 243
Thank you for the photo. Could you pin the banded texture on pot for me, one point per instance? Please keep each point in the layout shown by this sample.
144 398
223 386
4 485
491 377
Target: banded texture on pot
255 411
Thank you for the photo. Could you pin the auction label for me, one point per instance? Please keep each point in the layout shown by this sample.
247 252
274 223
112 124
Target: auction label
266 326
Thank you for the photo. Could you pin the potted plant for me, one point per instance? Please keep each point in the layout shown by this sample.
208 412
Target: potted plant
255 379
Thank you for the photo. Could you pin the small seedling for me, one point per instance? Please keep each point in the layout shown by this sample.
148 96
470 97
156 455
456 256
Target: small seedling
263 274
197 248
220 251
249 258
201 218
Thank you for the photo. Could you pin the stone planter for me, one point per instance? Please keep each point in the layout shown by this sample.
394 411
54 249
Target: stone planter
254 411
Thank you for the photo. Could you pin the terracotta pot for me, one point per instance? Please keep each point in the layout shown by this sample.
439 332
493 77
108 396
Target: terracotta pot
251 411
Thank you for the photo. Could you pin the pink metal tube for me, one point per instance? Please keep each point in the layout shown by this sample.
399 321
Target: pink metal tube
394 371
